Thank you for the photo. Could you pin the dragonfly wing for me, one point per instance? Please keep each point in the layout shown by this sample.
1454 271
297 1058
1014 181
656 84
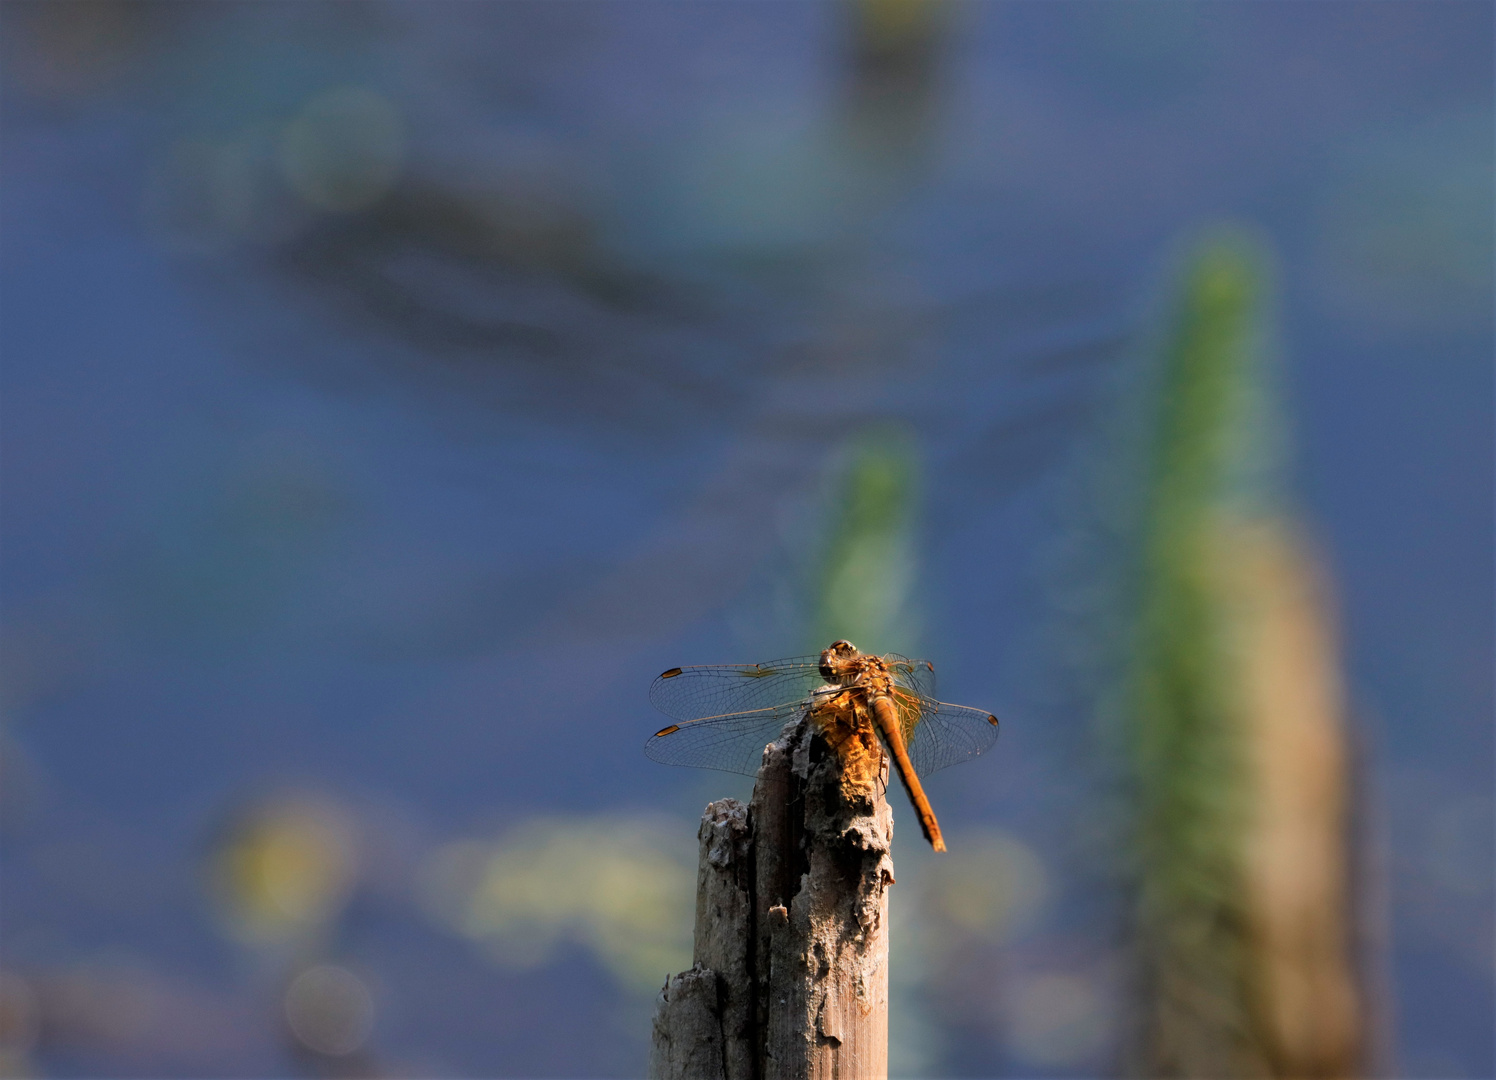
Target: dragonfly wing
916 675
733 743
693 692
947 734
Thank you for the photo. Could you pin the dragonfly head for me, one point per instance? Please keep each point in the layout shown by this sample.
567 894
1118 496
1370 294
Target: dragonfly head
834 661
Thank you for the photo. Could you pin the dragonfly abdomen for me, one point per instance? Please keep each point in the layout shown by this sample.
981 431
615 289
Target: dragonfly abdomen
893 734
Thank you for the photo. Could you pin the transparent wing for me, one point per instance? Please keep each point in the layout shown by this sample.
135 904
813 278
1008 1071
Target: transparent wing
732 743
711 691
946 734
916 675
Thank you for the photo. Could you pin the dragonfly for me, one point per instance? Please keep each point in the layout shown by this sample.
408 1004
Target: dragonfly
726 713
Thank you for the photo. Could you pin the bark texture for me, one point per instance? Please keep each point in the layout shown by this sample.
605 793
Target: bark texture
688 1028
791 973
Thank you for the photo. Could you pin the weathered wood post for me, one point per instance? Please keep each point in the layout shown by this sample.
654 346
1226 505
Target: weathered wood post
790 980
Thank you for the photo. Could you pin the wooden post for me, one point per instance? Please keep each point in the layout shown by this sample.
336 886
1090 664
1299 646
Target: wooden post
790 980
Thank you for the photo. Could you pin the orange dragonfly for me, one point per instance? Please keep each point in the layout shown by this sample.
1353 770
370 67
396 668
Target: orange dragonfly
727 713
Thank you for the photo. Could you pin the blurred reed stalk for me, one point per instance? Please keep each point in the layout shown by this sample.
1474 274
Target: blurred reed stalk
1233 714
868 565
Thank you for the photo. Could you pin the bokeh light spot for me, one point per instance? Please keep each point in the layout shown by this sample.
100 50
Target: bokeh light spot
19 1017
991 886
622 887
1058 1019
329 1010
286 868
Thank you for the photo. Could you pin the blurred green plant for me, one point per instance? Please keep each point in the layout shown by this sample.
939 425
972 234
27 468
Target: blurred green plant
1189 797
868 566
1238 827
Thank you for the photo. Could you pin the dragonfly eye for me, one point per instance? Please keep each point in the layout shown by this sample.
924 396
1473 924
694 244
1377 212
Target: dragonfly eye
841 649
